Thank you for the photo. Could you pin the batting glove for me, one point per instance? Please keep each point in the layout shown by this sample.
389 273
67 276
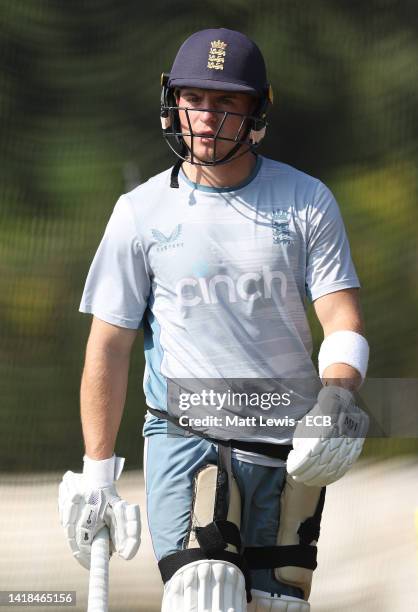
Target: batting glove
329 438
88 501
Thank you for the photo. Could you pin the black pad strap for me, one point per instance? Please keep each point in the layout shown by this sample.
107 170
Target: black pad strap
309 529
223 482
217 535
277 451
269 557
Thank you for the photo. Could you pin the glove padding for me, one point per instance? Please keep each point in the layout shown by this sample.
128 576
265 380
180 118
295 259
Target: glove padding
321 460
84 511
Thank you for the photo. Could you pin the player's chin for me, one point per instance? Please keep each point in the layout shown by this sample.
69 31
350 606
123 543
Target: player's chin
206 151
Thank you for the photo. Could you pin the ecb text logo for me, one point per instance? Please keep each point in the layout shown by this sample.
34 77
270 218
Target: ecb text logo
249 287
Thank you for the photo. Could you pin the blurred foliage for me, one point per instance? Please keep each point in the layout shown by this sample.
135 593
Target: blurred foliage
79 101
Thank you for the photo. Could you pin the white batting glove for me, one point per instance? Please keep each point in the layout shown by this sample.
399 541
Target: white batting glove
321 460
88 501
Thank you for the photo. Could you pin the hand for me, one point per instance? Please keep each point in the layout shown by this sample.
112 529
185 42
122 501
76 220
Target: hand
318 461
85 508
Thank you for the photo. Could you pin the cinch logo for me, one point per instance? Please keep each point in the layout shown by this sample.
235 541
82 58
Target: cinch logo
168 242
193 291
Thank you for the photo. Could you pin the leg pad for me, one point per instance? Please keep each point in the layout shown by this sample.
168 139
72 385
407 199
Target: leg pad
206 586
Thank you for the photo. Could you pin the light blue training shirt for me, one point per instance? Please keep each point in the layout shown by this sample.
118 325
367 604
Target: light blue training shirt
218 277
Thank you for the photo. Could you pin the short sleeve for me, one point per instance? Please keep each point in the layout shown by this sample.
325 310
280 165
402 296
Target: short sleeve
329 266
118 285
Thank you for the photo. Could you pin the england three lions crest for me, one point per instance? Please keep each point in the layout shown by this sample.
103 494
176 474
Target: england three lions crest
280 226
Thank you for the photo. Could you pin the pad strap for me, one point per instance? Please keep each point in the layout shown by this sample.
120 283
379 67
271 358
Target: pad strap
223 483
217 535
309 530
270 557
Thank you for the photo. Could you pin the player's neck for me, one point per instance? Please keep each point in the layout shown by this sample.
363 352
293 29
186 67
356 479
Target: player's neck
227 175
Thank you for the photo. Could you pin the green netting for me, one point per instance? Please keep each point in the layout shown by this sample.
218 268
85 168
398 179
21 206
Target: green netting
79 100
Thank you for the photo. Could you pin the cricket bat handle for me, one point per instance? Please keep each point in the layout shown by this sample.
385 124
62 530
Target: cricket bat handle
98 600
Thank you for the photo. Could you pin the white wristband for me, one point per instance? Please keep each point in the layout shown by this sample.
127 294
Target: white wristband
344 346
103 472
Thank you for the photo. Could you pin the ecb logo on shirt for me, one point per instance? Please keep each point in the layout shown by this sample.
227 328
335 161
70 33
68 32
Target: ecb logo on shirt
166 243
280 225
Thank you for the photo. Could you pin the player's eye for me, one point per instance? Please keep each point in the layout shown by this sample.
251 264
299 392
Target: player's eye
227 101
192 100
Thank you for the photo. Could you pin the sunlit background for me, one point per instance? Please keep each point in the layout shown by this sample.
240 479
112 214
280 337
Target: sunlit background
79 107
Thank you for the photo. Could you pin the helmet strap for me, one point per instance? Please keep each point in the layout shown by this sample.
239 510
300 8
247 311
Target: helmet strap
174 177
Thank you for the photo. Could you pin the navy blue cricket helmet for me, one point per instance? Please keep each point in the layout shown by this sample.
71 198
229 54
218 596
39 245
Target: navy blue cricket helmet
218 59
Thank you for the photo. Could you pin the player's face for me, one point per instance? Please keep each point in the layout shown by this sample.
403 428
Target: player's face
205 123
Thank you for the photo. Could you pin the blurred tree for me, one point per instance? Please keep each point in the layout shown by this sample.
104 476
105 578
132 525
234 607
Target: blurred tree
79 102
